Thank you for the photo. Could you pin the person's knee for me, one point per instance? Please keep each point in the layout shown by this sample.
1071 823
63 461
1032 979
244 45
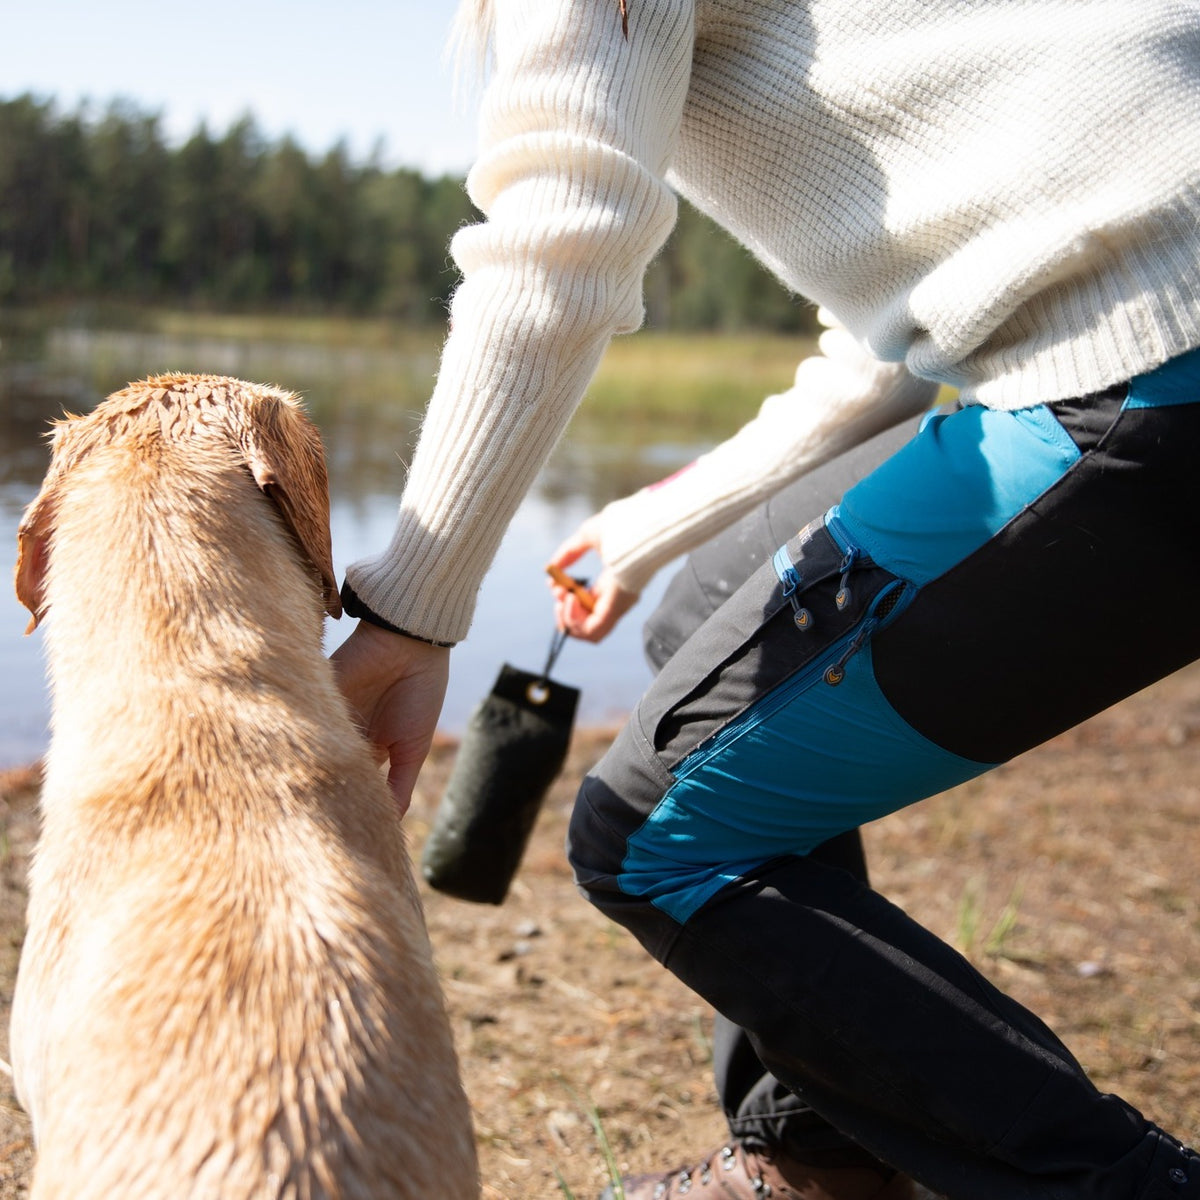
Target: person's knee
597 849
614 801
594 848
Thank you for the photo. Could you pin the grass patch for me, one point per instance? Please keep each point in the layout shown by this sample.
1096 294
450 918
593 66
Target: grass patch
612 1167
649 376
703 382
334 332
996 943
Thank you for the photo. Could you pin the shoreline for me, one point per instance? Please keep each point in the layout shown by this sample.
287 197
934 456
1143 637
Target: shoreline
444 743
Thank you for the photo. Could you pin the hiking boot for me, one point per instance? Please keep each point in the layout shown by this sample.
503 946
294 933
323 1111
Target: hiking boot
736 1173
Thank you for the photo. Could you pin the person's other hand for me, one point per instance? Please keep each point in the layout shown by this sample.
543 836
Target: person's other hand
610 601
395 686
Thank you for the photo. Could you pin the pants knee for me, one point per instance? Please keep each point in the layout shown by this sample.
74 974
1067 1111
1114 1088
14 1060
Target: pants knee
594 849
613 803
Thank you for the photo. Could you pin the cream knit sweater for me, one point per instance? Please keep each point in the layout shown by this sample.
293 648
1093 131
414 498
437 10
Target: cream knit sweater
1003 195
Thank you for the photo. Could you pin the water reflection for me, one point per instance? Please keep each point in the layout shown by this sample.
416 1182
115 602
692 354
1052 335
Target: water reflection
367 403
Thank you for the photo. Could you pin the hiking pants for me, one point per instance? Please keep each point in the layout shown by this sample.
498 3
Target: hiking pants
998 579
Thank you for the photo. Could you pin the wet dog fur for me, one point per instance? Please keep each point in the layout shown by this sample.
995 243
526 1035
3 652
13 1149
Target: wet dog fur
226 989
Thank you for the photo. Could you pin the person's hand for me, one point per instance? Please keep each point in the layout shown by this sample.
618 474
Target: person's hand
610 601
395 686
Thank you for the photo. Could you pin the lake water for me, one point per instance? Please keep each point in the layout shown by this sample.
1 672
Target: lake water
367 403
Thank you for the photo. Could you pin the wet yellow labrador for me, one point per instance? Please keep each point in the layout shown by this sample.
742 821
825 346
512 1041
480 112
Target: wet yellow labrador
226 989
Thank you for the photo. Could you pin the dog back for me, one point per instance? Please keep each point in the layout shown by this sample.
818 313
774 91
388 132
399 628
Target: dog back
226 988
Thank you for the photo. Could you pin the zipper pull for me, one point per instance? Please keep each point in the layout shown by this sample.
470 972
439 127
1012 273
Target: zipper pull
844 595
836 672
790 578
791 589
879 611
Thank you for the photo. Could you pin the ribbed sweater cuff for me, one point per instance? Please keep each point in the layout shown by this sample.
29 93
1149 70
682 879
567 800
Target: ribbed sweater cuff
396 591
353 606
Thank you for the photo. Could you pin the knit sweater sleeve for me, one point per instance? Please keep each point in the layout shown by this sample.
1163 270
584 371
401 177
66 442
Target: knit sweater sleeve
577 131
840 397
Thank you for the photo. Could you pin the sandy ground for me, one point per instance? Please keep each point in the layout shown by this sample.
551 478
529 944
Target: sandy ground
1068 875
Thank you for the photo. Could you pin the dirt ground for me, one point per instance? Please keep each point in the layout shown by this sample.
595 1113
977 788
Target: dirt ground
1068 875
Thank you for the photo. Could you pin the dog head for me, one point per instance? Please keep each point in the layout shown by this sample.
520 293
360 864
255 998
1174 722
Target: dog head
266 427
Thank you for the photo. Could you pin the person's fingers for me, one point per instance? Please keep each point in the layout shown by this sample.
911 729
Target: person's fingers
570 614
561 617
577 545
395 687
571 551
402 779
610 603
605 615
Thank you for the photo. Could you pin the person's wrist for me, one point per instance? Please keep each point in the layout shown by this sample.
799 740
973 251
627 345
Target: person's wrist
353 605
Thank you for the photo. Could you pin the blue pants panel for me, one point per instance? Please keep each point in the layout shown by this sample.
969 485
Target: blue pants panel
810 761
825 760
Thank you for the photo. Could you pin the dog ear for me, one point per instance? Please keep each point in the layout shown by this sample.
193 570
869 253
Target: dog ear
283 450
36 531
33 554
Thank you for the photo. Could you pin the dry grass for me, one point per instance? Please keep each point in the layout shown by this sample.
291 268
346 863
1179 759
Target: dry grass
1068 875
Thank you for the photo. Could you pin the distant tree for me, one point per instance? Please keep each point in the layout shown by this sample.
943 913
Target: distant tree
124 210
43 183
285 199
103 207
191 236
392 234
704 279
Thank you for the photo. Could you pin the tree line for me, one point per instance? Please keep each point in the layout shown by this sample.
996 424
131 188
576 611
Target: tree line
104 208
